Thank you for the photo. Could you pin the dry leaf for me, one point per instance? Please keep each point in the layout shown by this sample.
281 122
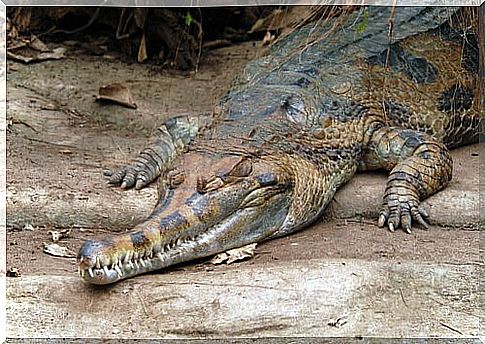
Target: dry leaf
116 93
142 50
58 251
35 56
235 255
37 44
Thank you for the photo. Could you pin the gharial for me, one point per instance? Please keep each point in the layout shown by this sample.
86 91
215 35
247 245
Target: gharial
297 124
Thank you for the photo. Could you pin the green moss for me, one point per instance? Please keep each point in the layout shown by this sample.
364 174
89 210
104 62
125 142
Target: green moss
363 23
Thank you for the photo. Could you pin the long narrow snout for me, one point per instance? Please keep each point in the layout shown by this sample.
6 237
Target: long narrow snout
246 205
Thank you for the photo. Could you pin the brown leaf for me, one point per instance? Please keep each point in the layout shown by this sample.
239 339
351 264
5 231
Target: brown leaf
29 57
142 50
116 93
235 255
58 251
37 44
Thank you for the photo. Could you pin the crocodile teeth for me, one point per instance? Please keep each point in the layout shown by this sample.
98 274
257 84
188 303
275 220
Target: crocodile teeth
91 273
105 268
159 255
98 263
127 257
136 264
118 271
142 262
83 272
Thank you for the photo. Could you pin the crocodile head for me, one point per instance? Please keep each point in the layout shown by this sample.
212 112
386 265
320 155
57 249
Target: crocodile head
205 216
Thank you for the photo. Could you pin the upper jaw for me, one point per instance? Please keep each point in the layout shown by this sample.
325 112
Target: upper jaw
239 229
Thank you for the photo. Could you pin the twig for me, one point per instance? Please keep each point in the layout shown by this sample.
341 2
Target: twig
481 48
450 328
360 221
402 298
120 32
18 121
388 54
218 43
49 143
199 53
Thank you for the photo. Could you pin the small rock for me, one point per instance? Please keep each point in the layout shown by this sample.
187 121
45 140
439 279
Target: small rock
13 272
339 322
57 235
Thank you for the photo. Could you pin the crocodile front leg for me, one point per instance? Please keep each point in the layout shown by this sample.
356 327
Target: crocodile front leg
173 138
419 167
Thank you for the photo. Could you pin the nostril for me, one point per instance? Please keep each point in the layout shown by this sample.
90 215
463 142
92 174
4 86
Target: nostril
85 263
89 254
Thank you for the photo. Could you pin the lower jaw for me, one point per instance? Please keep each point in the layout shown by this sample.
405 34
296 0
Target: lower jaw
105 276
203 245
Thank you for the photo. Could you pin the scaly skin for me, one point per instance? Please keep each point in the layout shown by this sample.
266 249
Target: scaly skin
296 126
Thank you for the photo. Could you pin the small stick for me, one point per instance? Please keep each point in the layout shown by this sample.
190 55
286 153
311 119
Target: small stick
450 328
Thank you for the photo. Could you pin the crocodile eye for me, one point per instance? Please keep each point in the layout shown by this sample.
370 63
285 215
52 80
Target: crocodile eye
295 109
242 169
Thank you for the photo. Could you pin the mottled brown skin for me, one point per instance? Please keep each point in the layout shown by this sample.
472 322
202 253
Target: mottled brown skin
297 125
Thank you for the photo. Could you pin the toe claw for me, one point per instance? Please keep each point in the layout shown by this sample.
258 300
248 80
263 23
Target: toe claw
423 223
423 211
139 184
417 216
382 220
391 226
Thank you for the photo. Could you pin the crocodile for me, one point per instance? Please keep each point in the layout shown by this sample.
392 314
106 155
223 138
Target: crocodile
373 88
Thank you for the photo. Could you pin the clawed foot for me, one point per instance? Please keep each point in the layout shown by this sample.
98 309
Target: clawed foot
135 175
400 208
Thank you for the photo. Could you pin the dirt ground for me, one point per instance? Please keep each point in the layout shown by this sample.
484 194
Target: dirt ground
59 140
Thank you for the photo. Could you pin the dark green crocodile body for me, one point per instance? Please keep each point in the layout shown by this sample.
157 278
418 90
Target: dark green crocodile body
328 101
